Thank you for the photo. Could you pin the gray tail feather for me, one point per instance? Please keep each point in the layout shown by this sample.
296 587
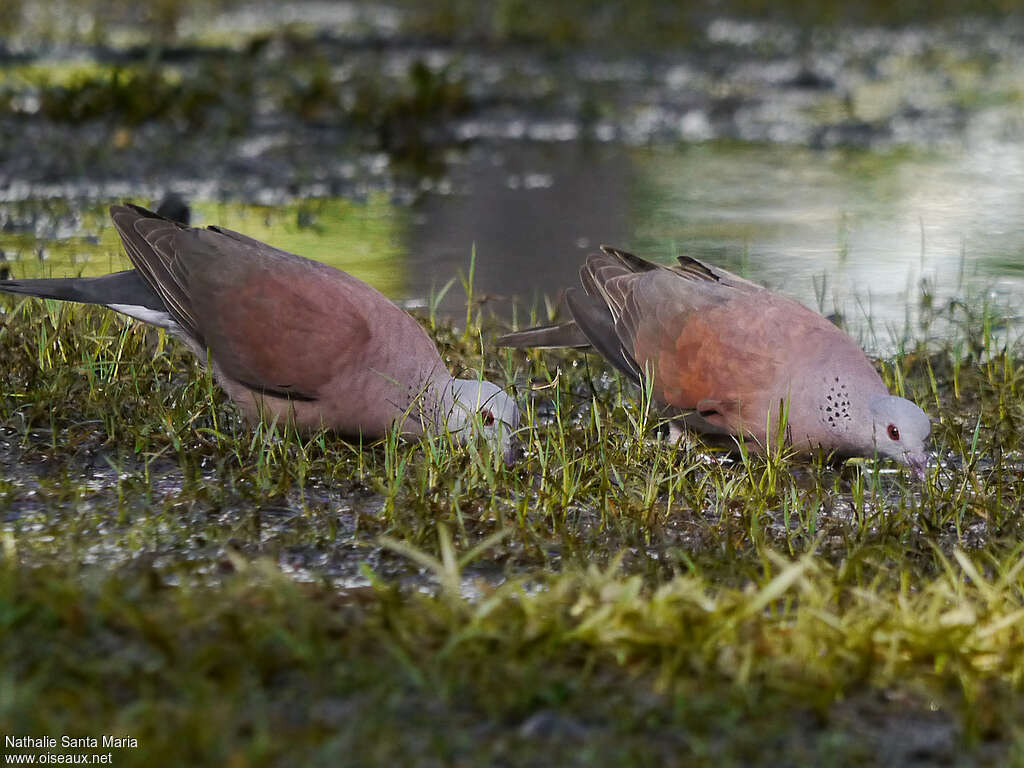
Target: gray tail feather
125 287
565 334
62 289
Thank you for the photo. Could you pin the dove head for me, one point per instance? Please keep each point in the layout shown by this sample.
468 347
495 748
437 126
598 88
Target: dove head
900 431
480 407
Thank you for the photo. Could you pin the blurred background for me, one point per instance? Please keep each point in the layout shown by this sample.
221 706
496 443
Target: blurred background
864 158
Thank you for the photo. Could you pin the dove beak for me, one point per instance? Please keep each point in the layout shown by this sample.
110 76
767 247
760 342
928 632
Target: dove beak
917 462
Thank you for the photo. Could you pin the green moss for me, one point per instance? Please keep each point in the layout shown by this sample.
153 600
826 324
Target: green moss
372 231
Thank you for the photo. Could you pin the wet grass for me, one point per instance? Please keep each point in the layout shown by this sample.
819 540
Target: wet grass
392 111
230 595
247 99
641 24
210 78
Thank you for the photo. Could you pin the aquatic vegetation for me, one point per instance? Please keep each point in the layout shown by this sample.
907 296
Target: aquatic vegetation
253 96
613 597
232 596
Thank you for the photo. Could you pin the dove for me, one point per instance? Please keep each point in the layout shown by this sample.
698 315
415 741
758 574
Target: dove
726 357
288 338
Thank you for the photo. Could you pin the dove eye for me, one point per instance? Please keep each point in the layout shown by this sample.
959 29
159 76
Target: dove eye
894 433
487 417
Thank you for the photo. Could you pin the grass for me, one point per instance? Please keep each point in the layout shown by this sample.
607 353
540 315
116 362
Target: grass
641 24
230 595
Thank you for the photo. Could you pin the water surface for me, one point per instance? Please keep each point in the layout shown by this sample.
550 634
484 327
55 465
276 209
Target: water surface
850 230
850 167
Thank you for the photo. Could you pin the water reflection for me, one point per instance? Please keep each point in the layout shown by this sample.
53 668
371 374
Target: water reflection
850 230
871 225
367 238
532 211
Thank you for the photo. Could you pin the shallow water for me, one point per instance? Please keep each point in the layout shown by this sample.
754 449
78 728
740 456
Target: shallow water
852 168
841 172
854 231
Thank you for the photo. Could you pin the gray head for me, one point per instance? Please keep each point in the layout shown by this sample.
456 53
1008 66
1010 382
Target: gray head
481 405
900 430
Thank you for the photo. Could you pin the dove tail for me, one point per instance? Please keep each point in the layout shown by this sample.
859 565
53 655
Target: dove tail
118 288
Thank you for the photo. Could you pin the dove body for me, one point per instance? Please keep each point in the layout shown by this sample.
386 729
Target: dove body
726 357
288 338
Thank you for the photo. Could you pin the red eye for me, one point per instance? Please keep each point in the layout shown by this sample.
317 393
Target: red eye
894 434
487 417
